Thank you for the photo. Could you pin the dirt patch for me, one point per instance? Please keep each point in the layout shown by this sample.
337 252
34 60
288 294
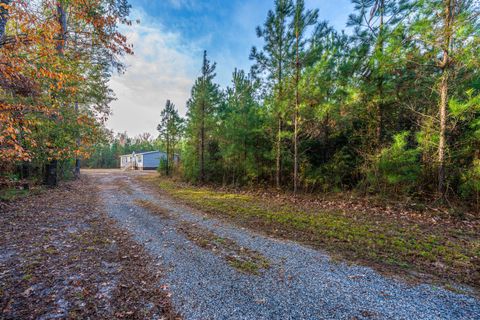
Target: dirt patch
153 208
243 259
62 257
124 186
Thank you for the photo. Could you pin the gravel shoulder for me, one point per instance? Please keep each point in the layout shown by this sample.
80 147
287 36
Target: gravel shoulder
215 270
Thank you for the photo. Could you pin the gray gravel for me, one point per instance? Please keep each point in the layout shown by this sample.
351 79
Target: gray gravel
302 283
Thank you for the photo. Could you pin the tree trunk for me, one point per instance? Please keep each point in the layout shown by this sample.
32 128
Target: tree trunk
172 159
297 101
76 172
167 169
326 149
51 168
279 151
25 174
278 166
245 130
442 142
24 168
202 146
445 66
50 179
62 20
3 19
379 130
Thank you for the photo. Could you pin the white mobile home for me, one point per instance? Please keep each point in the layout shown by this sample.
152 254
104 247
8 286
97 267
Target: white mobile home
142 161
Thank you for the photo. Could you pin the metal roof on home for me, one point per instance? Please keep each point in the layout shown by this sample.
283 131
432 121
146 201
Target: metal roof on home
137 153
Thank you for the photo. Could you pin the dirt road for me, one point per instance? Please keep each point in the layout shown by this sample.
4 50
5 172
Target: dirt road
215 270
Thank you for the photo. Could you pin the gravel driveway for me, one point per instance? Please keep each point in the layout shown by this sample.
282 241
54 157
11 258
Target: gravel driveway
295 282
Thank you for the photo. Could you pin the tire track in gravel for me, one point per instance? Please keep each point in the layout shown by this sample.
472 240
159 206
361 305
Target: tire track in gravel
300 283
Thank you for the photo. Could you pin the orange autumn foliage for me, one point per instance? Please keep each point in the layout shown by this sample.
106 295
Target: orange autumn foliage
39 86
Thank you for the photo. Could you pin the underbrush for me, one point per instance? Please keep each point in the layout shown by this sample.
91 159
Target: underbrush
11 194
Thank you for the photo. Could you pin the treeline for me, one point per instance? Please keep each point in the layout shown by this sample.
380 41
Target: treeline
171 127
56 58
107 151
391 106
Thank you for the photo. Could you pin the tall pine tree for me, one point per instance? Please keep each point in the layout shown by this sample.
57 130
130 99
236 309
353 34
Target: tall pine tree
240 131
274 62
170 129
375 23
302 19
448 31
202 111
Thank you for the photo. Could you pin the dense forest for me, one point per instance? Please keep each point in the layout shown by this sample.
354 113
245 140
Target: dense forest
390 105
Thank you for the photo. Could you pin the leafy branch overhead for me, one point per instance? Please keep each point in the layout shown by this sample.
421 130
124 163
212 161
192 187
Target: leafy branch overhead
55 60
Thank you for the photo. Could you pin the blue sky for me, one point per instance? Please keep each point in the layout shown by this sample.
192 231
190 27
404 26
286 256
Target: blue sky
169 42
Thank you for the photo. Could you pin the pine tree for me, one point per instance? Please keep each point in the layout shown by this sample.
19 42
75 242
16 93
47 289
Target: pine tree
275 62
402 76
448 31
327 87
374 24
301 21
239 130
170 129
205 97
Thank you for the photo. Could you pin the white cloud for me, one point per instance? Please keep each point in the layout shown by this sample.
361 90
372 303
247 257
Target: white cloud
163 67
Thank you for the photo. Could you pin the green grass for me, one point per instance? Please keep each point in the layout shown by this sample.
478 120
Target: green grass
238 257
244 266
354 236
11 194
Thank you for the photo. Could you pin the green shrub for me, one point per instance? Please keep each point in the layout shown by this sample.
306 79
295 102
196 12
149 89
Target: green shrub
470 186
162 167
335 175
396 168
